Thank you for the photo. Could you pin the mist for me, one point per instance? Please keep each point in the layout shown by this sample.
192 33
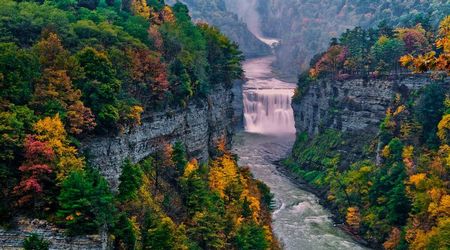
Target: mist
247 12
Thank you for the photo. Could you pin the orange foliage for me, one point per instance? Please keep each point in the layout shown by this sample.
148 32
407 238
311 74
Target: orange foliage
430 60
50 130
166 14
394 239
51 52
417 179
167 155
414 38
353 218
140 7
147 68
191 167
407 155
35 170
444 128
156 37
56 85
80 118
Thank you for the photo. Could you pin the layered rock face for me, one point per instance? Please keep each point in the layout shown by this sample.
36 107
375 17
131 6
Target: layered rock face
199 126
350 105
13 239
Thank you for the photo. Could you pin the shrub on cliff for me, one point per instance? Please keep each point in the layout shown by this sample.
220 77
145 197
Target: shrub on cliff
34 242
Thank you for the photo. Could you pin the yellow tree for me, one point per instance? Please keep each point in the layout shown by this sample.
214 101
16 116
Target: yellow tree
50 130
353 219
55 88
223 172
431 60
140 7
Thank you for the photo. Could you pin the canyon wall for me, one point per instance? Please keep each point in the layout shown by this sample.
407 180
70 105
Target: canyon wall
352 105
355 107
220 14
13 239
199 126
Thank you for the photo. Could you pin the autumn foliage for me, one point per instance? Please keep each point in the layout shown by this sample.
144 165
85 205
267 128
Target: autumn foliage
74 70
396 194
35 170
433 60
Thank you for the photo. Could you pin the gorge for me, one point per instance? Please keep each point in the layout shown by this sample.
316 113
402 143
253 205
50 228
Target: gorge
299 220
225 124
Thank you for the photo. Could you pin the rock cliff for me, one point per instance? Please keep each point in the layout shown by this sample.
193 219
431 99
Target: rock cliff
13 239
354 107
350 105
199 126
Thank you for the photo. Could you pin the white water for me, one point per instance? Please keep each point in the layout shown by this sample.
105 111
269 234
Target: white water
267 100
299 221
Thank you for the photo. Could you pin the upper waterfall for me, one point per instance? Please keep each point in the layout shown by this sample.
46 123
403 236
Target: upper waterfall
267 100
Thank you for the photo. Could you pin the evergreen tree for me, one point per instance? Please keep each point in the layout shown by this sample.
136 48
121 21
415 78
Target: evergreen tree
159 234
251 236
130 181
207 229
85 203
125 236
179 157
35 242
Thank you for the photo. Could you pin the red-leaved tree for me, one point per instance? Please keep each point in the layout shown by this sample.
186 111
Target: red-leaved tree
35 172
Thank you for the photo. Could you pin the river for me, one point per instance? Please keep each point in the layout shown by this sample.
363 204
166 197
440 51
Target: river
299 221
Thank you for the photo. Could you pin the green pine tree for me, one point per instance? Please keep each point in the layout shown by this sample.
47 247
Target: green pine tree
85 203
179 157
130 181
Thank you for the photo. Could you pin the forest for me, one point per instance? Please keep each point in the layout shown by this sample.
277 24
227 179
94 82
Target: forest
396 194
311 24
77 69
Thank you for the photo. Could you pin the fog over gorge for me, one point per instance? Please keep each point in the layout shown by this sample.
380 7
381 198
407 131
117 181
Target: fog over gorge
305 27
247 11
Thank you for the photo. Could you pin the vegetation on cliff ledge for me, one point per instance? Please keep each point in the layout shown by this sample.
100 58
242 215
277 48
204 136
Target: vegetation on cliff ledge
396 194
75 69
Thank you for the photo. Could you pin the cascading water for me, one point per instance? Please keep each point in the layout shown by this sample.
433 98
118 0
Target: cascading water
267 100
299 221
268 111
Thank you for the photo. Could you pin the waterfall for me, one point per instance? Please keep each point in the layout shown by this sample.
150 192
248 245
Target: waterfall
268 111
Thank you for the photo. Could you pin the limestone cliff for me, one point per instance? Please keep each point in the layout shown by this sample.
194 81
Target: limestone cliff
199 126
13 239
352 105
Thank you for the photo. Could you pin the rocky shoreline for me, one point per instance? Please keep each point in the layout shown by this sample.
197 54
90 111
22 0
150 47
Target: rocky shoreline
321 194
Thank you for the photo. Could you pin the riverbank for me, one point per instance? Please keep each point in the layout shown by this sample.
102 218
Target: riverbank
321 193
298 218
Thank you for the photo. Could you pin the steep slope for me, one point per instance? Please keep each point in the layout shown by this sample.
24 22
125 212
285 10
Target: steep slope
305 27
373 141
115 125
219 14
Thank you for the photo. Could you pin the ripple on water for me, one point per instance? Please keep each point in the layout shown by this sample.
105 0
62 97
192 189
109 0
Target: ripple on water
299 221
